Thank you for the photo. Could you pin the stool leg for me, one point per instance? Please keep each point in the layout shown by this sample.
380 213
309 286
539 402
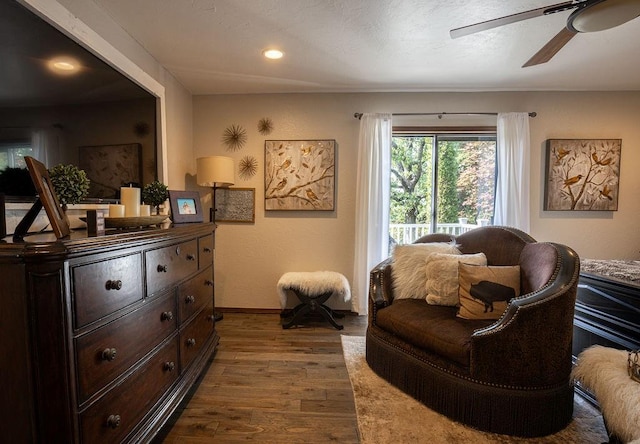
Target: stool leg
327 314
298 313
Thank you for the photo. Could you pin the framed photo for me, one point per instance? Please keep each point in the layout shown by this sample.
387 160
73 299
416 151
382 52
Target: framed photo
582 174
235 205
48 197
299 175
185 206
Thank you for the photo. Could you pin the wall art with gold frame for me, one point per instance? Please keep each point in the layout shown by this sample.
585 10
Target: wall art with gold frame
582 174
300 175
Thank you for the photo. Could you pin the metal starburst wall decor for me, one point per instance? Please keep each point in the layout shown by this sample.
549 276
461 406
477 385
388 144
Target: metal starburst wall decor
234 137
248 167
265 126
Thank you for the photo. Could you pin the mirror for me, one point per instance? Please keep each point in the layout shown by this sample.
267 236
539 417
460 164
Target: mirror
60 103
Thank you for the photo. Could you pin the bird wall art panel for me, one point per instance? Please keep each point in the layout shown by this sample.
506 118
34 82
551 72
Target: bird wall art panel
299 175
582 174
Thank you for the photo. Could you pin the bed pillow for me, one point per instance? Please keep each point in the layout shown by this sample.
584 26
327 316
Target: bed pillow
409 261
442 276
485 291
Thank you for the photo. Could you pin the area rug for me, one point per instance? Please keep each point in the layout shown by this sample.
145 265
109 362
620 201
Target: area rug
386 415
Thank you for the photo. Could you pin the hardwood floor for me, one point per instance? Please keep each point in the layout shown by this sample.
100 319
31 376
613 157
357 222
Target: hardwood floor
270 385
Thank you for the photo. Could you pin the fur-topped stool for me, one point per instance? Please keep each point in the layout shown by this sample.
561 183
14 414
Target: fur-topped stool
313 289
604 371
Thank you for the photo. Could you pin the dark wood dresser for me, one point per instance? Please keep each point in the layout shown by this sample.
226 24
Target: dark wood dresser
607 309
102 337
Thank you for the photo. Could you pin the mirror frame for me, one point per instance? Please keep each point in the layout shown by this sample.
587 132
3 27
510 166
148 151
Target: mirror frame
62 19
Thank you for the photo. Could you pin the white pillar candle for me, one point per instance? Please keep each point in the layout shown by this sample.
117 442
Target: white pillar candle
130 198
145 210
116 210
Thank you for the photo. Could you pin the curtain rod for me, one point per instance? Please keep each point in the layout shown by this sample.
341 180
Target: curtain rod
359 115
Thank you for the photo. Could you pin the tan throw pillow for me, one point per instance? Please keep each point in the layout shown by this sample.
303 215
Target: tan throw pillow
442 276
408 274
485 291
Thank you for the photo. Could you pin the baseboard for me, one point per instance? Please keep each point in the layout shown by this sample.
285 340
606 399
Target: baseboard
270 311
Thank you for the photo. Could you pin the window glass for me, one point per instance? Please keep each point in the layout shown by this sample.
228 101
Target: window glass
440 183
12 154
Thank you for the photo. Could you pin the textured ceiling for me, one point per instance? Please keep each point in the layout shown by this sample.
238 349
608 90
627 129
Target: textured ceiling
214 46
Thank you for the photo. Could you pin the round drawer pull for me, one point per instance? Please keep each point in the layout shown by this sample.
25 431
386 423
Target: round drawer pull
166 316
191 257
162 268
113 421
113 285
191 342
178 251
169 366
109 354
208 283
206 250
189 299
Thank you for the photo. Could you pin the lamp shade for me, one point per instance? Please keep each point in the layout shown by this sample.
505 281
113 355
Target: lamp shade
215 171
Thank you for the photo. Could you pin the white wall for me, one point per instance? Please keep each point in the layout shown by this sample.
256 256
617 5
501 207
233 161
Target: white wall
251 258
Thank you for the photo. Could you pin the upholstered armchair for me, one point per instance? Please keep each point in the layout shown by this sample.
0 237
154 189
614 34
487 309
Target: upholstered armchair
510 375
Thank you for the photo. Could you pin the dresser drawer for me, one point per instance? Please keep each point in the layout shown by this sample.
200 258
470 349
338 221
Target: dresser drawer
105 353
100 288
114 416
195 294
168 265
195 335
205 251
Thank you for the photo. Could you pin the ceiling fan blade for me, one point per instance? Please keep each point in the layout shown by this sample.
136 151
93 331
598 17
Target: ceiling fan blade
490 24
551 48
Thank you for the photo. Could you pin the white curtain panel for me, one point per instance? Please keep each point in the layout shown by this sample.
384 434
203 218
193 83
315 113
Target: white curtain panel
513 157
372 203
44 143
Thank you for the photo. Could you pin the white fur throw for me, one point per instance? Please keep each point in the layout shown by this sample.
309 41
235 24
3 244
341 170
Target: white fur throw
313 283
442 276
604 371
409 262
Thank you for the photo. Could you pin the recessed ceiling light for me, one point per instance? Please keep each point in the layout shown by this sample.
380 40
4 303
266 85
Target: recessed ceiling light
273 54
64 65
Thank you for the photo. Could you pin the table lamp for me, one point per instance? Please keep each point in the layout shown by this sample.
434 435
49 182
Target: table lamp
215 172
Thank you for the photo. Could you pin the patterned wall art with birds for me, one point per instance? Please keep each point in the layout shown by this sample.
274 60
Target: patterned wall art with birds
582 174
299 174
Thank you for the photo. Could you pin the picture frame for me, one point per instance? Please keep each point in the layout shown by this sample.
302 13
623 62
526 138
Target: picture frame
109 167
46 197
300 175
582 174
235 205
185 206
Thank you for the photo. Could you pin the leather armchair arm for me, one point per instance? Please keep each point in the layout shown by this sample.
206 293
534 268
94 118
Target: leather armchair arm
380 286
531 344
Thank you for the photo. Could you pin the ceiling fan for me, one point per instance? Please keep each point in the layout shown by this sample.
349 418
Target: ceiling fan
588 16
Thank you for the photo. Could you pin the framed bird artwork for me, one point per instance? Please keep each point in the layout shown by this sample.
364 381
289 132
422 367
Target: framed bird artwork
299 175
582 174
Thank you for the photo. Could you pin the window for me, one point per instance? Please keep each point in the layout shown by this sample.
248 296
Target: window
441 182
12 154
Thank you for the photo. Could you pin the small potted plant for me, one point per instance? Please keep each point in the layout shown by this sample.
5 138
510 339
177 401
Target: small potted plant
70 183
155 194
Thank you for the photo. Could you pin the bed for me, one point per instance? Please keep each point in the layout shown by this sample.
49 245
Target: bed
607 308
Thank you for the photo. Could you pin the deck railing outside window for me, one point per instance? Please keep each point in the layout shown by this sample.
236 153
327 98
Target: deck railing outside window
408 233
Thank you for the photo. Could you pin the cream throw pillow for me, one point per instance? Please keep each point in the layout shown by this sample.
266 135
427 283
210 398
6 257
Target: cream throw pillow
409 278
442 276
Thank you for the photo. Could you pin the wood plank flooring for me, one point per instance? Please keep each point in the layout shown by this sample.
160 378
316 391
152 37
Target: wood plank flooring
270 385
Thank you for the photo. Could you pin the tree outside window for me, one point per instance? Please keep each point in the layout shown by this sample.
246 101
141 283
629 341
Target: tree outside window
440 183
